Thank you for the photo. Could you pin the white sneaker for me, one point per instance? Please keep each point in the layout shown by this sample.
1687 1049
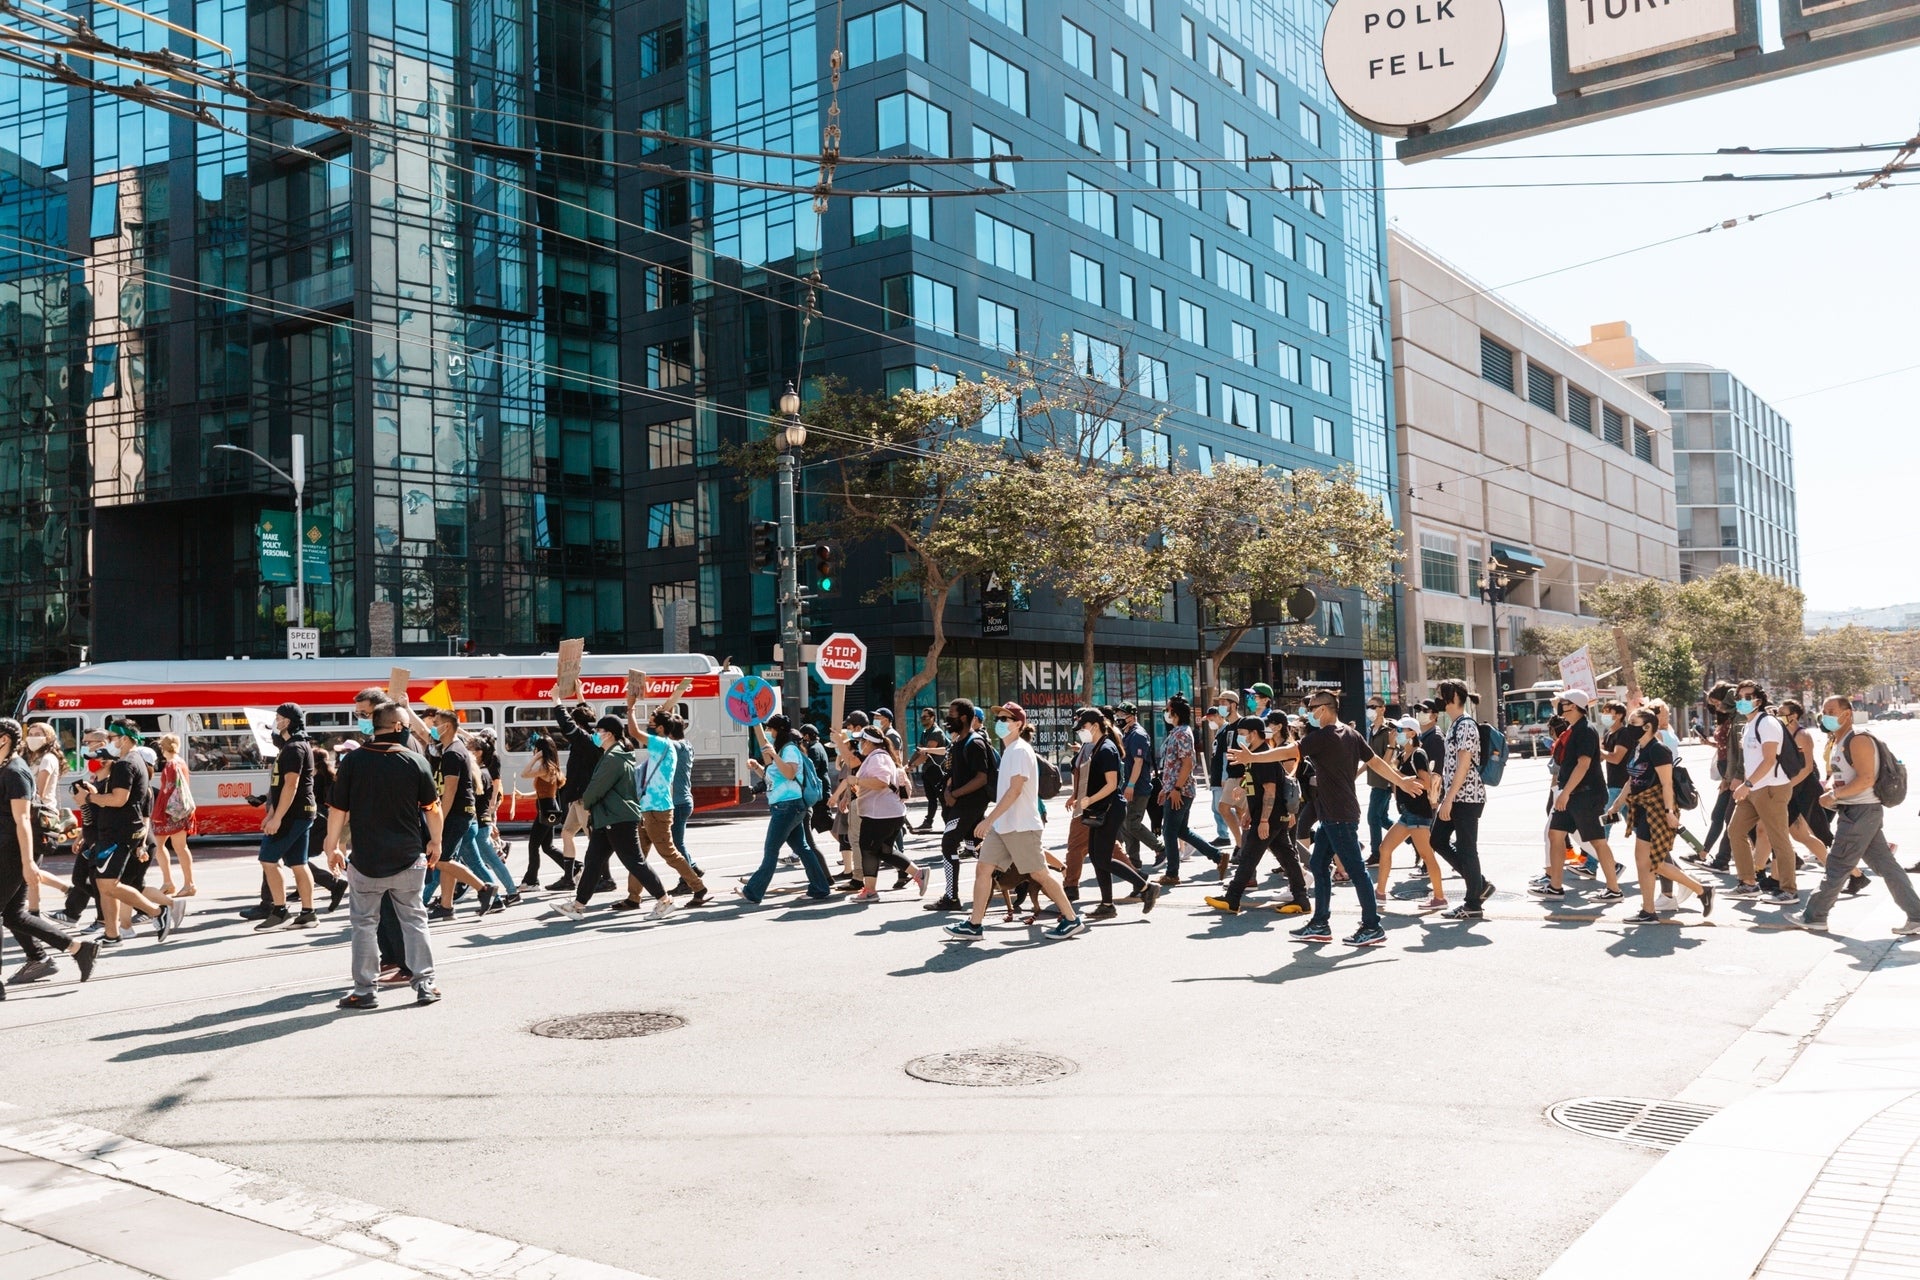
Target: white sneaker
1666 902
1907 928
663 907
568 908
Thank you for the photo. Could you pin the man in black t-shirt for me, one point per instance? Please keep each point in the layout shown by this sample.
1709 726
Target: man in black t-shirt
1580 797
120 835
931 759
20 878
385 795
970 792
288 824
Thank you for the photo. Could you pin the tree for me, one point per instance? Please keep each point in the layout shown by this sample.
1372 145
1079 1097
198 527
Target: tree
1669 671
1848 662
909 470
1746 623
1554 643
1245 534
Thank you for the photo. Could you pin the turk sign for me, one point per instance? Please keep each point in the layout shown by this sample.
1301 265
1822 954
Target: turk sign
1402 69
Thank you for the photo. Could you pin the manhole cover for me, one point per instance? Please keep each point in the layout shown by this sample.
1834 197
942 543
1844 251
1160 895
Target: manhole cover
990 1068
607 1026
1646 1122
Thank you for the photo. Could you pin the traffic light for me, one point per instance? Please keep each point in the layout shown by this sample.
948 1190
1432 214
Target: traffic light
766 546
822 567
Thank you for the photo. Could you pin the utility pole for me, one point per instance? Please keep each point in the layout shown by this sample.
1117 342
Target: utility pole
298 479
792 673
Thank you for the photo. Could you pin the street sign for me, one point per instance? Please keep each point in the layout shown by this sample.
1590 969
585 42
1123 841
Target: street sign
993 608
752 700
1597 43
843 658
1405 68
316 541
275 531
303 642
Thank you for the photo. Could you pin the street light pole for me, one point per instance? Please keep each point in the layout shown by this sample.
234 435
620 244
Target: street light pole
793 434
298 479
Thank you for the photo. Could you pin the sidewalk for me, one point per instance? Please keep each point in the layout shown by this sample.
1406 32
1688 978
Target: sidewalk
1815 1177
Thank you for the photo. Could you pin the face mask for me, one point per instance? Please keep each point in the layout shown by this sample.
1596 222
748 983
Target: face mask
397 737
114 750
1246 739
1086 735
1170 721
433 731
606 741
1005 728
1606 721
1830 723
1744 706
364 724
1221 712
1373 714
277 738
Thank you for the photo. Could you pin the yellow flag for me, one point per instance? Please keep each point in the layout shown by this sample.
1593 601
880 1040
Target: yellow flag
439 696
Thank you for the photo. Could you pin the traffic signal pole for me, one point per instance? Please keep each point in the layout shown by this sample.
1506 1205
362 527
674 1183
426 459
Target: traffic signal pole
791 671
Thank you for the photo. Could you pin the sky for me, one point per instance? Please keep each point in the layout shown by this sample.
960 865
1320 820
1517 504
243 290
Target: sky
1793 304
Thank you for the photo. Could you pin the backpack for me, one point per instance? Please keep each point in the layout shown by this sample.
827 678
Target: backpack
812 791
1790 759
1889 775
1049 779
1493 754
1685 794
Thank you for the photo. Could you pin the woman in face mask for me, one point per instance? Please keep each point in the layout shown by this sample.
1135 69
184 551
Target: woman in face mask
613 815
1102 813
1656 813
1416 812
1808 821
1181 775
1268 825
882 813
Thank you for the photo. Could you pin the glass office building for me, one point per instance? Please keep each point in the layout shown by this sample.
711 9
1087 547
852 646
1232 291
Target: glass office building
518 314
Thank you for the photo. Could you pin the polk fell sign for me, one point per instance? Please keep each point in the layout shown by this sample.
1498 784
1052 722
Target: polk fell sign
1407 68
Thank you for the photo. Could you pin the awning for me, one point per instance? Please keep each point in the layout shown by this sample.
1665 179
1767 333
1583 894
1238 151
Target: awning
1517 557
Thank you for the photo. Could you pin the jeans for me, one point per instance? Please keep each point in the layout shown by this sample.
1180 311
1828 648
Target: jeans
786 822
1173 829
1135 827
682 810
1858 837
476 854
1457 840
29 929
603 843
1341 840
404 894
1379 815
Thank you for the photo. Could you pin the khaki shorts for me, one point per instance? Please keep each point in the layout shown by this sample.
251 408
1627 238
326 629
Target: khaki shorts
1232 799
1017 849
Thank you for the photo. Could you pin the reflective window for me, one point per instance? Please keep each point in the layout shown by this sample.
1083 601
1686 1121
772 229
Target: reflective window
1003 245
885 217
1011 12
1233 274
1089 205
1184 114
1076 46
1088 279
1082 124
992 144
887 33
909 120
1096 358
999 79
1150 377
917 300
1193 322
999 326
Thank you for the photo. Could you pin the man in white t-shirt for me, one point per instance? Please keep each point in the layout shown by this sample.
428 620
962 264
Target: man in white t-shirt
1760 799
1009 834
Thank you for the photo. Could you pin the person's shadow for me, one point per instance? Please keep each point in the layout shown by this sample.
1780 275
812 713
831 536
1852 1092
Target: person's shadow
220 1033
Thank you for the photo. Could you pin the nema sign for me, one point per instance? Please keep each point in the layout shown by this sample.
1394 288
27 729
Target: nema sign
1403 69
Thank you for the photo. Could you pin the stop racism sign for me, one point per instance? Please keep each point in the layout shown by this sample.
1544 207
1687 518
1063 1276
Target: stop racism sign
842 658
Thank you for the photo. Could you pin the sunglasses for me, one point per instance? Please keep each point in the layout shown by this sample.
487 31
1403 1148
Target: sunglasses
1003 719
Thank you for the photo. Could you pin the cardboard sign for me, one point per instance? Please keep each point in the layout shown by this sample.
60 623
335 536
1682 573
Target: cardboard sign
397 681
567 685
260 721
641 688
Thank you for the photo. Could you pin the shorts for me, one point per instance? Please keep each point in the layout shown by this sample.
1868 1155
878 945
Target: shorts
1414 821
1017 849
1582 815
287 846
114 860
1231 798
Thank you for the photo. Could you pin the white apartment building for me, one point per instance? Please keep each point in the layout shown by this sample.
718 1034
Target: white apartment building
1516 452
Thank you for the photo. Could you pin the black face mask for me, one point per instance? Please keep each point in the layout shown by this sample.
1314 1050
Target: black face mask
279 739
397 737
955 725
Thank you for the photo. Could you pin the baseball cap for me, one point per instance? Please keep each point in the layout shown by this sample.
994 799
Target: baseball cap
1252 724
1408 723
1126 709
1264 690
857 720
887 712
1578 697
1014 710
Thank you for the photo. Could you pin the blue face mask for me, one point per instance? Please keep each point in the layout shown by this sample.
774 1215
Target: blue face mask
1744 706
1005 728
364 724
433 731
1830 723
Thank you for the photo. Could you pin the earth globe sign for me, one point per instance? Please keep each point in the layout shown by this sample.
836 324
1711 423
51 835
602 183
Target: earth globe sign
1403 69
751 700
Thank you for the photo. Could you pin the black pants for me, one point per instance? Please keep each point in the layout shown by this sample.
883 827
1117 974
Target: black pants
82 880
36 934
1100 845
1457 839
1280 844
934 783
876 845
393 945
961 821
603 844
547 815
1723 808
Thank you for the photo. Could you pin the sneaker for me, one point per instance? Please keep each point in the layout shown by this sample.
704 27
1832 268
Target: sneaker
965 929
1291 908
177 909
700 899
1784 898
865 895
942 904
1069 928
83 959
1314 931
255 912
394 977
1698 858
1546 891
1644 917
1221 904
305 920
663 907
427 995
1540 879
356 1001
1706 901
438 912
1798 920
1744 892
568 909
105 942
1169 882
1366 936
1464 912
1105 911
623 904
33 971
510 900
489 900
1609 895
62 918
336 893
1856 885
1434 904
1767 884
1149 896
1220 867
1907 929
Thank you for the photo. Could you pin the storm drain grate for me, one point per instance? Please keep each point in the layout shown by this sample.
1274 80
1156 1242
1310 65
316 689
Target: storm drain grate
607 1026
990 1068
1646 1122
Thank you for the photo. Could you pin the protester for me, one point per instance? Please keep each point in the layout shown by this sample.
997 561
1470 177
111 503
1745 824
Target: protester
786 767
385 794
288 820
1266 826
39 937
653 782
1859 833
1760 797
883 811
575 726
547 776
1181 776
930 758
1380 736
1103 812
1579 801
173 811
1416 811
1463 794
971 784
613 814
121 842
1137 792
1009 833
1228 798
1649 793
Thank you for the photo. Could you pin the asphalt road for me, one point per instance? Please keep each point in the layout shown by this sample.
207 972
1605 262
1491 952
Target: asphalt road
1243 1106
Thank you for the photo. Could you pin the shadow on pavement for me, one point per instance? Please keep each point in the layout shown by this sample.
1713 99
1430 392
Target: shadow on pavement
288 1003
1446 935
1650 940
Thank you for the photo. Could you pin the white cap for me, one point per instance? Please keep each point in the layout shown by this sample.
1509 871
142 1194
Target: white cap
1578 697
1408 723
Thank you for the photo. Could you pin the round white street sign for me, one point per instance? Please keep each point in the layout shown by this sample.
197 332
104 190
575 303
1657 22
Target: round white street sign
1406 68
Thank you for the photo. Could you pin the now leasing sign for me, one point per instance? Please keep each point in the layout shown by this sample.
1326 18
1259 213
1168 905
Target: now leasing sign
1604 33
1404 69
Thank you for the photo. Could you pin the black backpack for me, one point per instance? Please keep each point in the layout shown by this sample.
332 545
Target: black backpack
1685 794
1049 779
1791 760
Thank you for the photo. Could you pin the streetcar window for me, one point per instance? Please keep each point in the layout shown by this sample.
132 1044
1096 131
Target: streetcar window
218 722
330 719
223 752
66 730
542 714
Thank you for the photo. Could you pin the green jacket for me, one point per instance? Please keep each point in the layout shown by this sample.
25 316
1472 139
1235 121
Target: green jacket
609 797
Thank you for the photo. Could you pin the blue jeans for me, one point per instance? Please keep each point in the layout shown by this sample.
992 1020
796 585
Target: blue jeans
786 825
1379 815
1220 826
1341 840
681 812
476 854
1173 829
